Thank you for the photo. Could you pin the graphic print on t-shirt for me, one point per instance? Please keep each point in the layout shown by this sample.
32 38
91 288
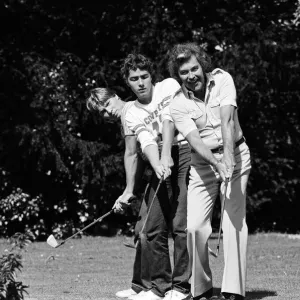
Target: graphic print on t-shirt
146 120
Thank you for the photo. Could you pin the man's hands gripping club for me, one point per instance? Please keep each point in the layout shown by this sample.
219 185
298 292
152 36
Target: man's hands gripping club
225 167
228 160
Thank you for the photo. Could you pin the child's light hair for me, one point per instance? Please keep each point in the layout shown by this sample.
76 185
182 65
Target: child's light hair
98 97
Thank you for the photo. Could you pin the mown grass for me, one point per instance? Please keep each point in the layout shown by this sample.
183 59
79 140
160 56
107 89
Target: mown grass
96 267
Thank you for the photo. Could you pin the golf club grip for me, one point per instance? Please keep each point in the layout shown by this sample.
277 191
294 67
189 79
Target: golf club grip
86 227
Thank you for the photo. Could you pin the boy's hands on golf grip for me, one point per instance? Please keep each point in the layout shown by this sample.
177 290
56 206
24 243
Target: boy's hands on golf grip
166 161
162 171
123 202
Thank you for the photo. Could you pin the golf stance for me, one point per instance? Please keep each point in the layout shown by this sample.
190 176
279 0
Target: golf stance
149 118
205 113
112 108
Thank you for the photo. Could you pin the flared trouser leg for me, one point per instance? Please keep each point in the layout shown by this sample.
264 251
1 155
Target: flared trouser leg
203 190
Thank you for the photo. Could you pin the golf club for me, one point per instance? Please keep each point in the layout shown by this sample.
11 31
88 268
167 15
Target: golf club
53 242
133 246
221 219
129 244
212 252
141 234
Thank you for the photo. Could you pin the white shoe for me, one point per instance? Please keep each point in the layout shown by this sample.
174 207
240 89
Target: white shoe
136 296
126 293
174 295
149 295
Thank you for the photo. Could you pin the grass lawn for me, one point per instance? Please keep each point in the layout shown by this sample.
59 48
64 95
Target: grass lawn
96 267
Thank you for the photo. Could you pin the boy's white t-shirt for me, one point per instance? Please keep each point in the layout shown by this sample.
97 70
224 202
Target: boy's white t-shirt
146 120
125 130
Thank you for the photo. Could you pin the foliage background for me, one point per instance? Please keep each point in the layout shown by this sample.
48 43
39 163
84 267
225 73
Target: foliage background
62 166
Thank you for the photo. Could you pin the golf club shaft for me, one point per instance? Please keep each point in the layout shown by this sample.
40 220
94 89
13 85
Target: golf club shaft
86 227
151 204
134 245
222 213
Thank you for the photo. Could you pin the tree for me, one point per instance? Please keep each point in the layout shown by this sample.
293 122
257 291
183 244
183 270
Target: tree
53 52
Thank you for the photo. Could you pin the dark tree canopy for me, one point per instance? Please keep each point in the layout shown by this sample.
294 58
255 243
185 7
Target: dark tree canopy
53 52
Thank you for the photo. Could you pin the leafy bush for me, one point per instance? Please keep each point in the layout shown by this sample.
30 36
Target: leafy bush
63 226
50 145
10 263
20 212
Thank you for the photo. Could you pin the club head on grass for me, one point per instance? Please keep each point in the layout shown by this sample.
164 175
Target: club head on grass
52 241
212 253
129 245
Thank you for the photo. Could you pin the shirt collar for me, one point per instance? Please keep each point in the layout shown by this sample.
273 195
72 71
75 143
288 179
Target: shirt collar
189 94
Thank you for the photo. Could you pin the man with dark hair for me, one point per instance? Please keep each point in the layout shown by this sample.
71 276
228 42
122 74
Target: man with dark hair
149 118
205 113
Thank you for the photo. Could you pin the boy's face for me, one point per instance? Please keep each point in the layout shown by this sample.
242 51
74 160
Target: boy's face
109 109
140 82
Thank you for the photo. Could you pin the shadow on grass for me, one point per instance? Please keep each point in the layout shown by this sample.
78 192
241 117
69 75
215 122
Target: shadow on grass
259 294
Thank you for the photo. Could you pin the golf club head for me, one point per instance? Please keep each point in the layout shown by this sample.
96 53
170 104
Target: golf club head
212 253
52 241
129 245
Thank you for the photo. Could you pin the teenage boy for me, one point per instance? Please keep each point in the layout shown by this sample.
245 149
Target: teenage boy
150 120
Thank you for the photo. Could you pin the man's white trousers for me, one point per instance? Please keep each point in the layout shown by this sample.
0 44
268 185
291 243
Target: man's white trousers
204 187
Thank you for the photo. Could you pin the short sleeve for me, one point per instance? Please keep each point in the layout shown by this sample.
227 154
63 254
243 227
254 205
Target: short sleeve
166 114
227 90
181 117
125 129
172 86
144 137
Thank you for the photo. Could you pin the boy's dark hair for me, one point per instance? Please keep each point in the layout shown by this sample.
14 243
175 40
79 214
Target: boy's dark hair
181 53
136 61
